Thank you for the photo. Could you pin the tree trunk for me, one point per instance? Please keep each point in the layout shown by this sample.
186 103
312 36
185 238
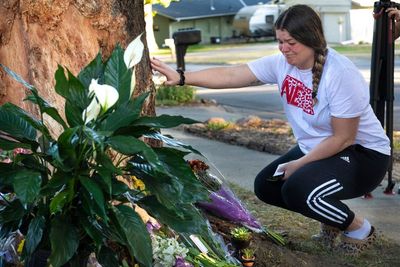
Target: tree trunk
37 35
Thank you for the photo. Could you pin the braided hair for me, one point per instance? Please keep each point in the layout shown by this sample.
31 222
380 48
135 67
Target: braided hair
304 25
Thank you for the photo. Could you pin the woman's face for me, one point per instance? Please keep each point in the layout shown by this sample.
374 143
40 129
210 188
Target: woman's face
295 52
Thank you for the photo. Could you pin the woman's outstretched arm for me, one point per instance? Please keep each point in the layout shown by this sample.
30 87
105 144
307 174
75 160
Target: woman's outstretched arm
216 78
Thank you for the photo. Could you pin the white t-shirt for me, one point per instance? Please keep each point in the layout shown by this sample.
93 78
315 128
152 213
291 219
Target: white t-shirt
342 93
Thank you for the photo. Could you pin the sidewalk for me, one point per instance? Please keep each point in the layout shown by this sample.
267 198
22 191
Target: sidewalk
240 165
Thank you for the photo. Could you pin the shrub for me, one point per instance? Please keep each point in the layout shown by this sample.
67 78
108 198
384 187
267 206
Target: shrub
174 95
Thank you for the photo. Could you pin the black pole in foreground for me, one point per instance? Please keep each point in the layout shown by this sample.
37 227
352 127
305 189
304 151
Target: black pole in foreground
382 74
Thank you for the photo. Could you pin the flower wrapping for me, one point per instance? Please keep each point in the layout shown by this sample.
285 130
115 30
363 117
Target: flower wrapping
225 204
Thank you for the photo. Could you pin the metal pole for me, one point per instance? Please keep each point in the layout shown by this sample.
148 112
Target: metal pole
382 74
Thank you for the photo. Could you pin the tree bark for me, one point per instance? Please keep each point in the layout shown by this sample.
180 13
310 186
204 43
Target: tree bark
37 35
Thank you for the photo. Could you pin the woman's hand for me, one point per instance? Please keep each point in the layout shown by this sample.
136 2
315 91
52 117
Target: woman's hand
172 75
290 167
393 13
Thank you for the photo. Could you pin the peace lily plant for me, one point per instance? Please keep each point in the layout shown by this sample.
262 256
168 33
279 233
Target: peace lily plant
68 194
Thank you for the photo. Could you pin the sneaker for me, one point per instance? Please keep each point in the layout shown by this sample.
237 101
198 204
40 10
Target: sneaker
354 247
327 235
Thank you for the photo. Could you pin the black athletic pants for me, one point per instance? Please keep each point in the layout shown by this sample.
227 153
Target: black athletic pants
316 189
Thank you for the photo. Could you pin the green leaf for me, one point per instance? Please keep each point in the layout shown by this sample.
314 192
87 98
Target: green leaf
118 187
35 233
14 125
129 145
94 70
67 143
94 136
17 77
75 95
193 190
135 131
187 219
73 114
106 170
117 75
12 212
35 98
163 187
139 242
168 141
35 123
163 121
8 172
71 89
105 176
124 114
64 241
32 162
94 232
58 202
138 102
95 194
107 257
57 181
46 108
6 144
27 185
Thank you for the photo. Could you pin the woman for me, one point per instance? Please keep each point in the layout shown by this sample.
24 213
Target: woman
342 150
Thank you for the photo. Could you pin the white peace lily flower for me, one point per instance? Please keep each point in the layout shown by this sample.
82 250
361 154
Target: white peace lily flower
92 111
105 96
133 53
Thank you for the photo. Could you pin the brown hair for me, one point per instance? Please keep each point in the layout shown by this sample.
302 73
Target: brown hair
304 25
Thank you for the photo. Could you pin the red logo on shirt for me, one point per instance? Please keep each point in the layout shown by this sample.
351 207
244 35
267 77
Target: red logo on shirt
297 94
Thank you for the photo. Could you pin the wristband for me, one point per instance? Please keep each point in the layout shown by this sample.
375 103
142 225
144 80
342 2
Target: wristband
182 77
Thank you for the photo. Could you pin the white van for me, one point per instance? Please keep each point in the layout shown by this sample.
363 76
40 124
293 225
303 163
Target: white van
257 20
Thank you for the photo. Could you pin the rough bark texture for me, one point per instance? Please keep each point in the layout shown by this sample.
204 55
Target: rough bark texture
37 35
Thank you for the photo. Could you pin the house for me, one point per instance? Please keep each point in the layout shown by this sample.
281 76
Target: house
212 17
334 16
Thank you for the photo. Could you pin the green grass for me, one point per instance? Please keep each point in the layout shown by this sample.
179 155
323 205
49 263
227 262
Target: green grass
353 49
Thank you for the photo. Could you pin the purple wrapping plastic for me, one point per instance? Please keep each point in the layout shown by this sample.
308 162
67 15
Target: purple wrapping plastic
225 204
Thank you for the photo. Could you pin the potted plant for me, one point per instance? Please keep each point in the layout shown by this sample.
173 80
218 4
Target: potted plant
240 237
247 257
66 194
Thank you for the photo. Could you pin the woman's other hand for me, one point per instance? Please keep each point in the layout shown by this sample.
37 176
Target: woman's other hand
172 75
290 167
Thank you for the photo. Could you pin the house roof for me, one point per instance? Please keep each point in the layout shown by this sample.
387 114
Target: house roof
195 9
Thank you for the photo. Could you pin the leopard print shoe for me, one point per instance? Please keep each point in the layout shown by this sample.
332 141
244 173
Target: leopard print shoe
354 247
327 235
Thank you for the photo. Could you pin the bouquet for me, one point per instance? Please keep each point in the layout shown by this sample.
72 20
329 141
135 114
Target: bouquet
224 202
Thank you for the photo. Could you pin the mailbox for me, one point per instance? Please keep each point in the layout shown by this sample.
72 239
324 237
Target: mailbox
182 39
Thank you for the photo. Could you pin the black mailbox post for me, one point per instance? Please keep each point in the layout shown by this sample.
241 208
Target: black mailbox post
182 39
